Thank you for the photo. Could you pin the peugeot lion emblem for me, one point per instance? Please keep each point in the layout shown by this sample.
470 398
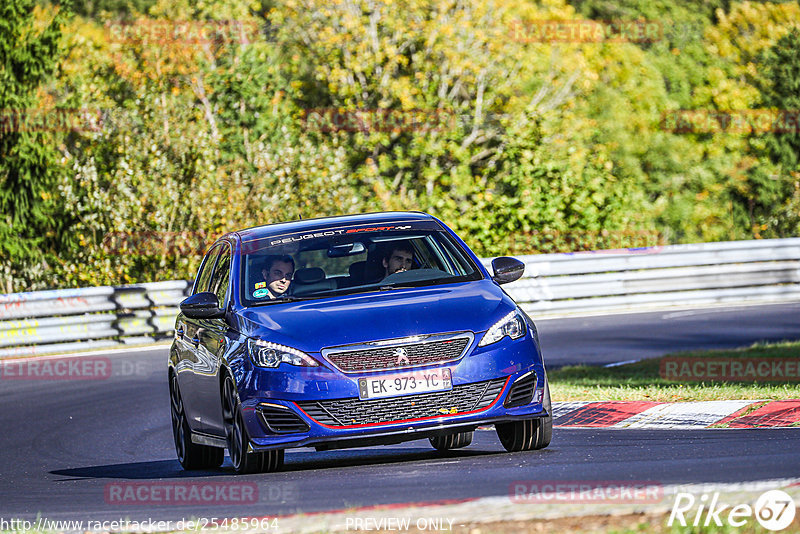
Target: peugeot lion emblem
402 356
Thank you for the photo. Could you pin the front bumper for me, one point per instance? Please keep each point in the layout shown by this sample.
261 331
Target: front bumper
320 407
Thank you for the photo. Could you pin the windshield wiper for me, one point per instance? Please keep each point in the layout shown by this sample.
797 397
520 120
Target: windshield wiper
390 288
287 299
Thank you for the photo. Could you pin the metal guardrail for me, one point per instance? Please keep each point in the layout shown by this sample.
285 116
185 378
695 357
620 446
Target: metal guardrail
553 284
659 277
43 322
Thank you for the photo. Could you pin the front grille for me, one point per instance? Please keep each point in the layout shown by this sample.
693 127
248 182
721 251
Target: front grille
373 358
282 420
521 392
347 412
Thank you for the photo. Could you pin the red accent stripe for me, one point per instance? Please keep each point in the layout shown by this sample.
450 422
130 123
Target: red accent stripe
737 414
407 420
773 414
603 414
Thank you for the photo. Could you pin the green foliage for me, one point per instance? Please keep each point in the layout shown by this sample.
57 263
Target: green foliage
782 91
32 227
98 8
221 114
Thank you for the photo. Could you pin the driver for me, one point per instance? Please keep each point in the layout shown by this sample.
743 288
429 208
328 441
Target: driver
399 258
277 276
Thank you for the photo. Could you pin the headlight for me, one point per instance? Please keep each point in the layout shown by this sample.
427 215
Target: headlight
268 354
512 325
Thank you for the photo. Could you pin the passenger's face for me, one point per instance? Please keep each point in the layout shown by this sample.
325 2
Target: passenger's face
399 261
279 277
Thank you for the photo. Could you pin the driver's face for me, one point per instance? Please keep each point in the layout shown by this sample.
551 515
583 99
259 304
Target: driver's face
399 261
279 277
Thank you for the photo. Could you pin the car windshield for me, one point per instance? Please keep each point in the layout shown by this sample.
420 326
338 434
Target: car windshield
339 261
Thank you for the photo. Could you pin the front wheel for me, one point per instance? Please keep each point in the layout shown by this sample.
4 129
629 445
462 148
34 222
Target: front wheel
528 434
191 455
457 440
243 461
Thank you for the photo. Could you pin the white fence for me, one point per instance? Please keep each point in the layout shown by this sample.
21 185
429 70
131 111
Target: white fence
553 284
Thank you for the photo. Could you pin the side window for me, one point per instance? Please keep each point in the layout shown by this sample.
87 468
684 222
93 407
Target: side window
428 254
453 257
221 277
204 275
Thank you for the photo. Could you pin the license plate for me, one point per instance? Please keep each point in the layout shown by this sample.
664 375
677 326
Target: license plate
376 387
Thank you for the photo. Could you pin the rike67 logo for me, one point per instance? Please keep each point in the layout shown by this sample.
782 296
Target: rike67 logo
774 510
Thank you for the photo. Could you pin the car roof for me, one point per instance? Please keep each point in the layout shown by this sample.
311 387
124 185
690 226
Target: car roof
303 225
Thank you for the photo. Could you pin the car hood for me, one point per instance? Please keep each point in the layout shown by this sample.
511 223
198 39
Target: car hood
313 325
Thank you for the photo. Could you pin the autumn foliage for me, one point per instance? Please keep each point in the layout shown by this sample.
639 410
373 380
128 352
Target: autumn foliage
528 126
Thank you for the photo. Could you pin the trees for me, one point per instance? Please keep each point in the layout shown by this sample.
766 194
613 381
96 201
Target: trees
781 92
32 225
748 60
223 114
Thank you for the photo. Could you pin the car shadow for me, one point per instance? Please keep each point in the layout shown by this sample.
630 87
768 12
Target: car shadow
296 461
307 460
135 471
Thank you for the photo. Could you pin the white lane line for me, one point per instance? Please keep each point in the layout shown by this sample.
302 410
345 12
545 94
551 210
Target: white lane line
725 307
682 314
617 364
686 415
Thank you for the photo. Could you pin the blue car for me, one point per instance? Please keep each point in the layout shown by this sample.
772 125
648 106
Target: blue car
351 331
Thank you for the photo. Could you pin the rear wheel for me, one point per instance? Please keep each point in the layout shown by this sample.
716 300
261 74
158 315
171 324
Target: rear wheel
528 434
451 441
190 455
238 441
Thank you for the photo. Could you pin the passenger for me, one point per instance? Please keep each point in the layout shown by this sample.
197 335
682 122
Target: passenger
277 275
399 258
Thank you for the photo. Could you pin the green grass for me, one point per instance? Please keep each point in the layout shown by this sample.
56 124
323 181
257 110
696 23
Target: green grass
641 381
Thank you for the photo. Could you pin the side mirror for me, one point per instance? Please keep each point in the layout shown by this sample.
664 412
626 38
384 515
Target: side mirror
507 269
204 305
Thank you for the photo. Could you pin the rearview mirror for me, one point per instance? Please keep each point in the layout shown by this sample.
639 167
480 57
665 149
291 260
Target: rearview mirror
347 249
203 305
507 269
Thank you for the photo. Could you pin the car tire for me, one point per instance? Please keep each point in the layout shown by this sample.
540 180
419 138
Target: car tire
456 440
528 434
191 455
244 462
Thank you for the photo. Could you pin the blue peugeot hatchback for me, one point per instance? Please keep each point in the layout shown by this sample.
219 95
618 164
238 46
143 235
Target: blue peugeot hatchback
348 332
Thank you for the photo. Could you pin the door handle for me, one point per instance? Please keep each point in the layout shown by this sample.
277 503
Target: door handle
196 341
179 332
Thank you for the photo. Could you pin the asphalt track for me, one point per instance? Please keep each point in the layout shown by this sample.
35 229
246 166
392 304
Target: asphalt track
66 444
